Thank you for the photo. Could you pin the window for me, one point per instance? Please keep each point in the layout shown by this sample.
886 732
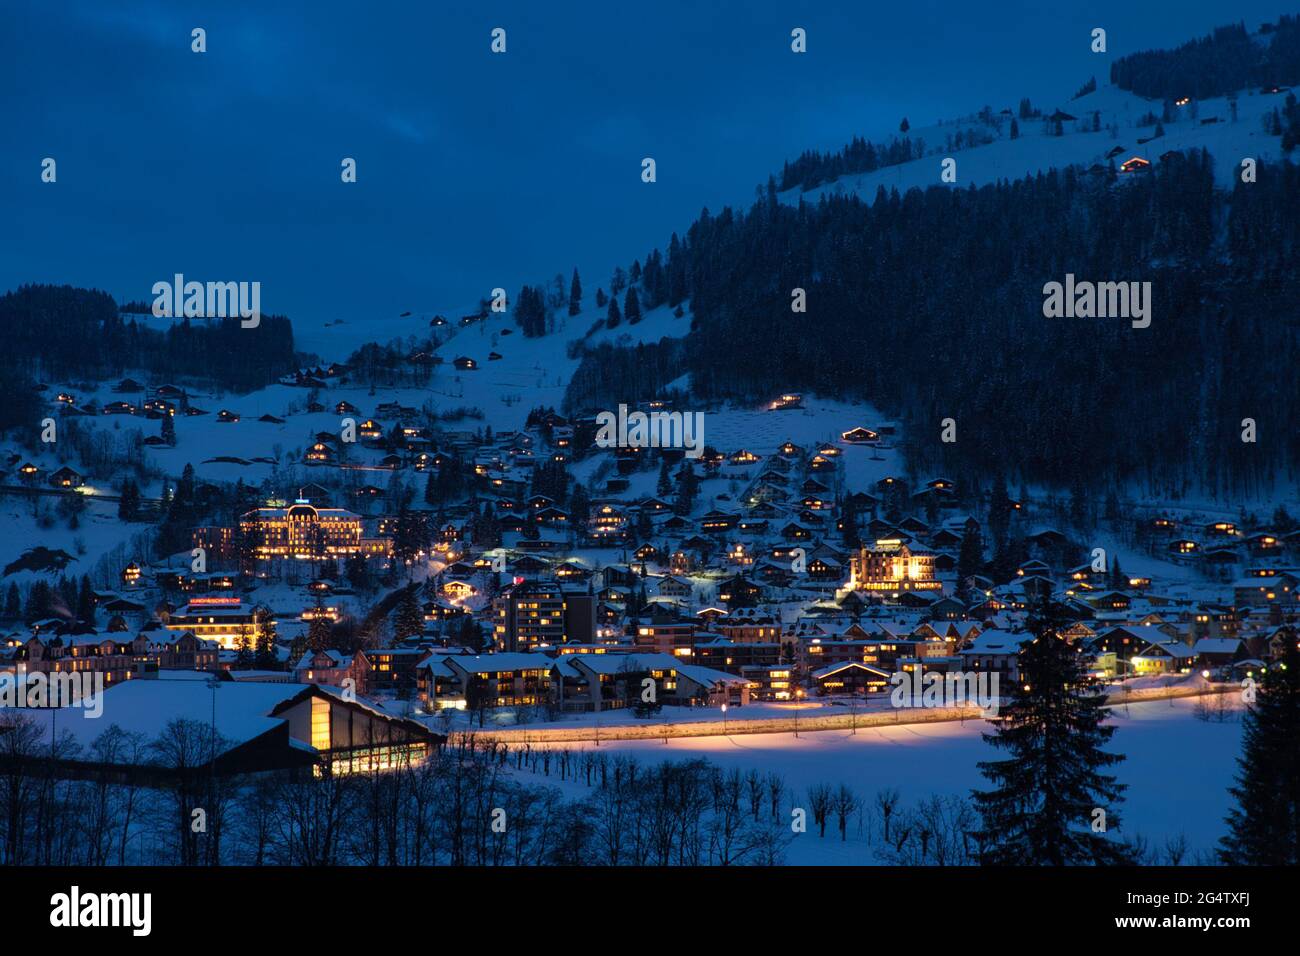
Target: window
320 723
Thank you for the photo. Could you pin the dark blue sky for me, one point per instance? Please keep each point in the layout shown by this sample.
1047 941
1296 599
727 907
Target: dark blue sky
475 170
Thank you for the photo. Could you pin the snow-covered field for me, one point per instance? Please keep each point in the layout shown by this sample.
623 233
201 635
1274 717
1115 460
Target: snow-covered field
1178 770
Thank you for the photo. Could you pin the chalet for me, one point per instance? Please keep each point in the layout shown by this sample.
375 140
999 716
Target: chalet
65 477
458 590
852 678
739 591
860 436
995 651
1163 657
464 363
738 555
1264 544
826 570
861 501
572 570
319 454
796 532
1279 589
789 400
716 522
346 408
324 667
1220 557
820 463
1218 651
227 417
119 408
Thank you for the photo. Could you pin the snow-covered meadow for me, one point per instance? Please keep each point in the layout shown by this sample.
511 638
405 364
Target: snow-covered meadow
1178 769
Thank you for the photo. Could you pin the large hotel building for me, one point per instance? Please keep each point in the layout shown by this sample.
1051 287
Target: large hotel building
224 620
302 530
892 566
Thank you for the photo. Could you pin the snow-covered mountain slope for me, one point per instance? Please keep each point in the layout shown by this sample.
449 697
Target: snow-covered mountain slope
1038 150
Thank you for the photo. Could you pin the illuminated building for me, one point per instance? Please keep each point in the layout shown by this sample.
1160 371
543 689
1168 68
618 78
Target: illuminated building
532 613
221 619
303 531
892 566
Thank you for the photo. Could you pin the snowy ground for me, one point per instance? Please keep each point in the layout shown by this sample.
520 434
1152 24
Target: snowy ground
1178 770
1038 151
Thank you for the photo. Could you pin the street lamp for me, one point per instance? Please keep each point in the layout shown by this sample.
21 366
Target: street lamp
798 696
724 718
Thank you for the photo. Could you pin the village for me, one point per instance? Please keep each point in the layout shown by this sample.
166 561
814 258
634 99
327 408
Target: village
545 578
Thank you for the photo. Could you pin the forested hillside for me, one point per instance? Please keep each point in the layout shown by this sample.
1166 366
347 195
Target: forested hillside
1229 59
930 306
61 332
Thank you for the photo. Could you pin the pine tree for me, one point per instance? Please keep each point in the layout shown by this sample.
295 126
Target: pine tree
264 642
244 651
1264 826
575 294
631 306
664 486
999 512
13 603
128 505
613 318
970 559
40 602
168 430
579 505
688 484
408 620
1042 808
86 602
319 633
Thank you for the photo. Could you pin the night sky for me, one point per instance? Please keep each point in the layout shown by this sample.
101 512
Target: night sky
475 170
